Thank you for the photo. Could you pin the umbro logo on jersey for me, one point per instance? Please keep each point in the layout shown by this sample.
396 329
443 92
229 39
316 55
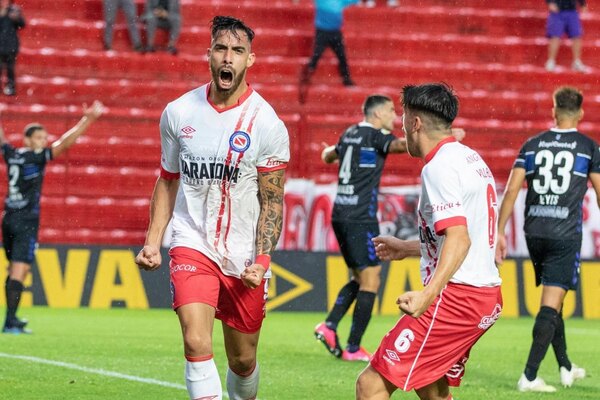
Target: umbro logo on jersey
392 355
188 130
239 141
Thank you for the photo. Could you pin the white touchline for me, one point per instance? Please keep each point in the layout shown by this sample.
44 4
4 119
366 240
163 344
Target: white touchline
98 371
94 370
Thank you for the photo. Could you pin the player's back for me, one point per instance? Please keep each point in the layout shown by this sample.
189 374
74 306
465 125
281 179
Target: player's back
557 164
459 186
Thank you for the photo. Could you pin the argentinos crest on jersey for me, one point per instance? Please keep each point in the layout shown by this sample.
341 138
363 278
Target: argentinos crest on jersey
239 141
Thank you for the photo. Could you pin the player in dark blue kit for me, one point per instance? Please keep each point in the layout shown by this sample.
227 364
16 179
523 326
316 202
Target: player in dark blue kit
556 165
362 151
21 219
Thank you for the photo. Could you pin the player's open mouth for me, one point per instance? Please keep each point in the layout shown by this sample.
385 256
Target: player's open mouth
226 77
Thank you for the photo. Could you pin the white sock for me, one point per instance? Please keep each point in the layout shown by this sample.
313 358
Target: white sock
242 387
202 380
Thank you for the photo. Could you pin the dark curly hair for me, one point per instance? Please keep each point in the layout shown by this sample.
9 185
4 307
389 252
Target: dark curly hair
231 24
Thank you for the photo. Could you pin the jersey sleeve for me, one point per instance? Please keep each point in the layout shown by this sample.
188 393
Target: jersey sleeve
275 150
521 159
382 141
169 157
47 154
444 191
595 167
338 145
7 150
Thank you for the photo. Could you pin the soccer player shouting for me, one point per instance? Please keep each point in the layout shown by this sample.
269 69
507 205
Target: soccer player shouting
428 348
224 153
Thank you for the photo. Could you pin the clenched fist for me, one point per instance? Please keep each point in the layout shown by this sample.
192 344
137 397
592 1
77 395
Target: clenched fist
149 258
253 275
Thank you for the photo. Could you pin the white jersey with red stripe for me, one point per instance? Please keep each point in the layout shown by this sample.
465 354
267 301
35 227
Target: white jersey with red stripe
458 188
217 155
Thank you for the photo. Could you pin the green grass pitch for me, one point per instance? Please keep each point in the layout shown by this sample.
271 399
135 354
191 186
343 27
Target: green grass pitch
73 354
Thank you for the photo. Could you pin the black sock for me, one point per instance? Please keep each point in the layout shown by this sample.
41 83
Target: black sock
559 343
13 296
360 319
345 298
543 333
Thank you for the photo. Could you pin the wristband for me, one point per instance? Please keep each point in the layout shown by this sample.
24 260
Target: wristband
264 260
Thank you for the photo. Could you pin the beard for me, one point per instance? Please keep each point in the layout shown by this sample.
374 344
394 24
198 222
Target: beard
226 80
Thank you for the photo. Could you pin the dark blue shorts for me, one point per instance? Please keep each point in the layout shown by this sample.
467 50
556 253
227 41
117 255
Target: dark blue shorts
556 262
19 237
356 244
564 22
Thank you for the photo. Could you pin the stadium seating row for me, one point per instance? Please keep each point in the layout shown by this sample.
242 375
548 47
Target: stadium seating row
154 94
414 45
49 234
367 72
46 32
493 54
75 6
96 213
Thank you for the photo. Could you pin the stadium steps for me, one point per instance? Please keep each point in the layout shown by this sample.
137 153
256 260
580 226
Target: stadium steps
96 213
61 234
413 45
472 16
285 70
493 54
153 95
76 33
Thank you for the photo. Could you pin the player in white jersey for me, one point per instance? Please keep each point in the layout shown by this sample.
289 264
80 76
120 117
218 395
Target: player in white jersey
224 153
428 348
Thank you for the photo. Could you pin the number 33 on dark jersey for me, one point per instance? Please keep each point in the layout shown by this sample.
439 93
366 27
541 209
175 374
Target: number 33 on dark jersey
557 164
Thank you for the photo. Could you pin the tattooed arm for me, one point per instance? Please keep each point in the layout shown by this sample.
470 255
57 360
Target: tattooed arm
270 221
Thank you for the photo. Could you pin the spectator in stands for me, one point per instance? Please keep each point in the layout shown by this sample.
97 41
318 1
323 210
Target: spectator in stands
162 14
110 14
564 18
11 20
21 218
329 17
373 3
